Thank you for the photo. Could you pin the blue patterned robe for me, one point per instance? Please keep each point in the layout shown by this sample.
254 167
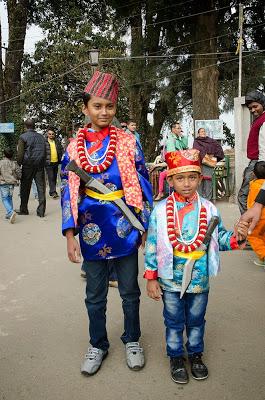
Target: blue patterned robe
103 230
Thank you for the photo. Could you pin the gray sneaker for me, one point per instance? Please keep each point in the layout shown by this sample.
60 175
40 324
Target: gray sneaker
93 360
134 355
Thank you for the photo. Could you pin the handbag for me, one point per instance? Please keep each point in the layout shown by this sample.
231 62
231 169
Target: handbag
210 161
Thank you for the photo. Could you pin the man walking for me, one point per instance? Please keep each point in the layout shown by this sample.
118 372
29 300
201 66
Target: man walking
31 155
255 101
54 152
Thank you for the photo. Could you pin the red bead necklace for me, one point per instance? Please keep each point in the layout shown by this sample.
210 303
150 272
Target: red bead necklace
85 164
173 234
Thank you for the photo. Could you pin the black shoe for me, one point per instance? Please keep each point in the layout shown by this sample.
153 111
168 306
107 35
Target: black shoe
22 212
179 374
199 370
40 215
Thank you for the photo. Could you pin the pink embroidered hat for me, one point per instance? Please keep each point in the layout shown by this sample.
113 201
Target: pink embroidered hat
183 161
103 85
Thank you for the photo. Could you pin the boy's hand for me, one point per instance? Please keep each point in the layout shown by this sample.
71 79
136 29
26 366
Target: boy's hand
153 289
252 216
241 230
73 248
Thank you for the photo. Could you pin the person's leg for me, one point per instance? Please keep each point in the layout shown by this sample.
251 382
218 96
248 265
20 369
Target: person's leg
41 188
25 185
257 240
112 273
97 275
6 196
161 181
195 310
206 187
50 175
174 320
127 274
243 191
55 173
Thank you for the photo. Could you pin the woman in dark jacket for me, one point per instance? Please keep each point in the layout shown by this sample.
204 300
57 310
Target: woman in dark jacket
210 153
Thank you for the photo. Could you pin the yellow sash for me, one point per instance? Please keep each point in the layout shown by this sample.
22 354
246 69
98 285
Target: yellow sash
118 194
194 255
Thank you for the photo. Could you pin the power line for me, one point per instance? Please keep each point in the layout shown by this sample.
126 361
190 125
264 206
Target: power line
44 83
163 8
138 83
189 71
185 16
127 58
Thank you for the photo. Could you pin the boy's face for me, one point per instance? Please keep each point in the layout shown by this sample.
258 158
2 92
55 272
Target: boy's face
185 183
132 126
101 112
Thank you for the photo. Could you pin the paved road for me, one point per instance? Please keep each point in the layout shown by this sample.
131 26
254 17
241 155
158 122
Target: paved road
43 326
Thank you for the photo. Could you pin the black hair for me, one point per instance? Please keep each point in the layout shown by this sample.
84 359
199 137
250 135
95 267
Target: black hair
86 97
51 128
8 152
200 129
174 124
29 123
259 170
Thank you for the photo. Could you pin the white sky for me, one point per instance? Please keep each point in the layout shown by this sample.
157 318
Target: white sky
34 34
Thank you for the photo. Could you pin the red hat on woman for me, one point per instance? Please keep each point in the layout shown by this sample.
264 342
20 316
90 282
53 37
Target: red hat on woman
183 161
103 85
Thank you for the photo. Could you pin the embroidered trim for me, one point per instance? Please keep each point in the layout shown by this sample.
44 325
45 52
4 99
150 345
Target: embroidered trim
85 164
173 235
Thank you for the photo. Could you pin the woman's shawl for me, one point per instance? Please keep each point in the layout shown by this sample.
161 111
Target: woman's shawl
207 145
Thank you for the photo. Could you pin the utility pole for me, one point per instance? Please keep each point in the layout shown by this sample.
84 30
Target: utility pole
239 48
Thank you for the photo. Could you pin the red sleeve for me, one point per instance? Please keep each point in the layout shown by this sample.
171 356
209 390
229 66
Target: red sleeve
233 243
148 274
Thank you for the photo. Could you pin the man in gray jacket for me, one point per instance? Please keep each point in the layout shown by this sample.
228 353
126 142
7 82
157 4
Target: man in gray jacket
31 155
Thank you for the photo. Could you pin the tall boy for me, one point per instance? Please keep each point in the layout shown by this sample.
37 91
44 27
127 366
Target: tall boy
10 173
177 227
114 158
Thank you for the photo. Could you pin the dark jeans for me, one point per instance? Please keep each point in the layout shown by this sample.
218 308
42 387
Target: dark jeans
243 191
52 172
187 312
28 174
97 273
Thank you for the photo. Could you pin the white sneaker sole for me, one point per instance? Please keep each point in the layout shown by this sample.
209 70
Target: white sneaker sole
12 218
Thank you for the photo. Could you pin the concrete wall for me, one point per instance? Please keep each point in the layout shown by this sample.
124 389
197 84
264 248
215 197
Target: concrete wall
242 125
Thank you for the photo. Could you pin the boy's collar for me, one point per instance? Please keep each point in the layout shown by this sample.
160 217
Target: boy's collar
182 199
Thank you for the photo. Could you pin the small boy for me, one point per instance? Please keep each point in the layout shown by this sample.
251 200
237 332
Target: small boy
257 237
10 173
177 227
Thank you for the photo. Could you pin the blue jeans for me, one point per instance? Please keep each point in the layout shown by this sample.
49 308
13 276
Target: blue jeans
97 274
7 198
187 312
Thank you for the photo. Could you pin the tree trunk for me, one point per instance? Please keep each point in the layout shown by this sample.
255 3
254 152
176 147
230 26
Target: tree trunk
2 97
136 67
17 20
205 73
